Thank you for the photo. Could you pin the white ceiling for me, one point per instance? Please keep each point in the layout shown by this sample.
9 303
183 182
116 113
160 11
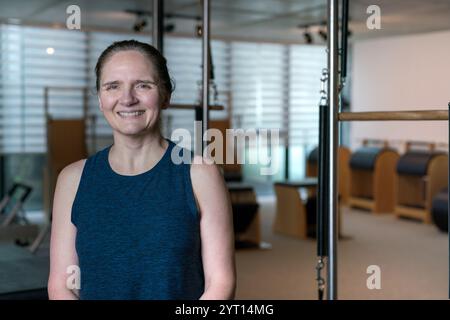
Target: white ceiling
260 20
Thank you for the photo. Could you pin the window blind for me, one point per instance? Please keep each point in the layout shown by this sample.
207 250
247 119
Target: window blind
267 85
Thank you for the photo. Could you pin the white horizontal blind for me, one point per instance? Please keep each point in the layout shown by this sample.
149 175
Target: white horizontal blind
306 64
11 89
258 84
27 69
222 75
184 57
263 80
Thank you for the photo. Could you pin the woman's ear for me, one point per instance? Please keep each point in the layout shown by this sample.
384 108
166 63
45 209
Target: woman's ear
100 104
166 103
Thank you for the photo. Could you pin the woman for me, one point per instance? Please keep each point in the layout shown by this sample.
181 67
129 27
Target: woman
138 225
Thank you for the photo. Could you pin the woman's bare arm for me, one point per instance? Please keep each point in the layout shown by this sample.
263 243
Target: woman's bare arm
216 227
63 255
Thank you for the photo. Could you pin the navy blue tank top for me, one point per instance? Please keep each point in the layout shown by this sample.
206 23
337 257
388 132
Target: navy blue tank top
138 237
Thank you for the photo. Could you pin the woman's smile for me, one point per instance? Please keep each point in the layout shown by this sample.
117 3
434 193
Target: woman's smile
131 114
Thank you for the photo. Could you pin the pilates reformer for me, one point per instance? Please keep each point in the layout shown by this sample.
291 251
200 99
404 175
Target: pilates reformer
329 117
14 224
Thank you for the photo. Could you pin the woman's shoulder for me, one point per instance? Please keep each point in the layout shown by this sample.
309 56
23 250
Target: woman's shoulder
73 170
205 171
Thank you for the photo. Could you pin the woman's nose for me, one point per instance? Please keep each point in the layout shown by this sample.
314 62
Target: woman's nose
128 98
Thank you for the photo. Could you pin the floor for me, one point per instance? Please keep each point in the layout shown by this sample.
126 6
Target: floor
412 258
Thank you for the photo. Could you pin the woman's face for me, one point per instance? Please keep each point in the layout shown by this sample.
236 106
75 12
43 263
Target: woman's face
128 95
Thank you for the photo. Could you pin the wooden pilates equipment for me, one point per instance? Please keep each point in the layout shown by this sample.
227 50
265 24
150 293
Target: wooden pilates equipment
373 179
231 171
295 217
240 193
66 143
335 78
291 212
421 175
332 213
343 172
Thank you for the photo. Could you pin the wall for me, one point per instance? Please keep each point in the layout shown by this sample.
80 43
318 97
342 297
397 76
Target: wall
401 73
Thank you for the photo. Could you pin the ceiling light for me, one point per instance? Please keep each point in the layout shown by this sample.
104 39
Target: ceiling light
323 34
170 27
140 25
198 30
308 37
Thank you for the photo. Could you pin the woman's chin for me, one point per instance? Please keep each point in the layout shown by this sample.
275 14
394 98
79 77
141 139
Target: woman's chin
134 131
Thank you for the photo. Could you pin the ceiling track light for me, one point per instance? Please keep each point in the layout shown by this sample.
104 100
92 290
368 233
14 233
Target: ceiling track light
140 24
323 34
307 36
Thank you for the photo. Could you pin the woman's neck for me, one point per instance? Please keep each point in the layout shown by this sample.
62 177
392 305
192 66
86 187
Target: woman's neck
135 155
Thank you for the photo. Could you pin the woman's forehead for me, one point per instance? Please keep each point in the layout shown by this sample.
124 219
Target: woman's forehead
130 61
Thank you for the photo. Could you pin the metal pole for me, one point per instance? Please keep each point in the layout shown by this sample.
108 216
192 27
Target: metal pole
206 70
344 39
448 207
333 94
158 16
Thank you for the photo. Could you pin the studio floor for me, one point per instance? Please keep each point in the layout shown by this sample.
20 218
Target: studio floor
412 256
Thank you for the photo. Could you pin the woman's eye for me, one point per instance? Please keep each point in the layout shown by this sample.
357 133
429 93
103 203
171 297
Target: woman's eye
112 87
144 86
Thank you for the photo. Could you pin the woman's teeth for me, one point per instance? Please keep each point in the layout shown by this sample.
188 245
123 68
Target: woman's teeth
130 114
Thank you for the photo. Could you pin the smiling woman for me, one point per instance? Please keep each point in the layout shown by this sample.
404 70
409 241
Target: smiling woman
138 225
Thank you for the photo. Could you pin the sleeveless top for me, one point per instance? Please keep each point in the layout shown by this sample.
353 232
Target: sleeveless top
138 237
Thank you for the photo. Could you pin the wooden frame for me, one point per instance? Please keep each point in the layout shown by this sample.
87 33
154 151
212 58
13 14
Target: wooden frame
290 218
291 215
245 195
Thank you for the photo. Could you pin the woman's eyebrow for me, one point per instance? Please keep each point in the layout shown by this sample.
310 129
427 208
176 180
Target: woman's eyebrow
110 82
136 82
145 81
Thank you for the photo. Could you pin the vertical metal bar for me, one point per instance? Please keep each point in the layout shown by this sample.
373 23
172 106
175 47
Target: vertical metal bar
286 161
448 207
286 108
206 70
322 198
344 39
2 174
158 16
333 133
